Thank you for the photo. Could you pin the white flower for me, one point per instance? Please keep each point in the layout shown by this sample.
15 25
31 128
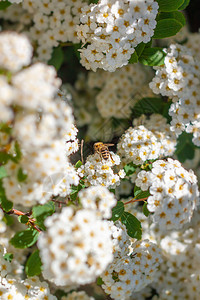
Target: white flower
76 248
98 171
174 194
35 83
145 142
15 51
132 271
117 25
99 199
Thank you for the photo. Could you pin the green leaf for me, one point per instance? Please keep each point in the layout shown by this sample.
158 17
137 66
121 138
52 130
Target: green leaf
9 220
130 169
145 210
148 106
117 211
73 196
184 5
57 58
169 5
137 191
33 265
177 15
134 58
99 281
93 1
139 194
4 157
5 203
8 257
24 239
18 154
78 164
23 219
152 57
185 148
4 4
5 128
60 293
76 189
139 49
21 175
166 28
132 224
3 172
41 212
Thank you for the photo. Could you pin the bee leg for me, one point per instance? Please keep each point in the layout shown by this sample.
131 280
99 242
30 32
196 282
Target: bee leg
111 158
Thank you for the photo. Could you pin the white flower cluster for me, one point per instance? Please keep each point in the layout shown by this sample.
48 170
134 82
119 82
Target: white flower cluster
99 199
132 271
15 51
41 123
179 80
98 171
113 29
77 296
49 22
174 193
32 289
116 97
12 283
76 248
151 140
72 143
178 276
193 43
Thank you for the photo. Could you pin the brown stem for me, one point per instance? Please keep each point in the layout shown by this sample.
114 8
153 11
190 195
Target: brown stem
135 200
15 212
59 202
21 213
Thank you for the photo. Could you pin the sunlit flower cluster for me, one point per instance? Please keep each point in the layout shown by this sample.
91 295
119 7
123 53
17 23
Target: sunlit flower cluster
53 22
179 80
151 140
174 193
132 271
112 29
99 171
33 289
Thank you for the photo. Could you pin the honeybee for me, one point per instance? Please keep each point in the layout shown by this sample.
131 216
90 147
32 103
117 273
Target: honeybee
102 150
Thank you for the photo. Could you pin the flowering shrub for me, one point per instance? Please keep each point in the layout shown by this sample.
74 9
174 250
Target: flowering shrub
99 157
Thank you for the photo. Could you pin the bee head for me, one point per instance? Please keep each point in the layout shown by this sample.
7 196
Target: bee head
97 145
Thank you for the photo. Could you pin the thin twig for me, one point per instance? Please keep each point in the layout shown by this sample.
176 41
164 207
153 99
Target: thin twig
82 141
21 213
135 200
59 202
